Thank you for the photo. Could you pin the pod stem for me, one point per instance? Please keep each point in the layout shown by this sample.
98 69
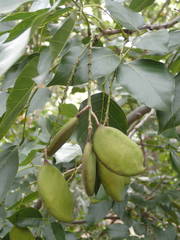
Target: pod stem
87 107
106 119
90 77
95 118
45 156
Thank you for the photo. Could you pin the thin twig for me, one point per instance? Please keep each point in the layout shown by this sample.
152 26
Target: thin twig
169 24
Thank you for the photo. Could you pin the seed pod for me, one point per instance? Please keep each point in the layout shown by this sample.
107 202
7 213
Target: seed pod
62 136
89 169
55 193
17 233
117 152
113 184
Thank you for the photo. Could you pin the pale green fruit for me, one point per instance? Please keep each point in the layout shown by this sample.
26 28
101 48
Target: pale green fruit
55 193
118 152
17 233
62 136
113 184
89 169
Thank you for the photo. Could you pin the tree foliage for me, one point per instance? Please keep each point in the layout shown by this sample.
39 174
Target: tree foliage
122 58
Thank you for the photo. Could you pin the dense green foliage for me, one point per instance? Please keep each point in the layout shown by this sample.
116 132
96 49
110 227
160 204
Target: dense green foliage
54 55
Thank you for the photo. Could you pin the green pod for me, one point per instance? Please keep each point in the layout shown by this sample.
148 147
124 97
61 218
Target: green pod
17 233
62 136
89 169
113 184
55 193
117 152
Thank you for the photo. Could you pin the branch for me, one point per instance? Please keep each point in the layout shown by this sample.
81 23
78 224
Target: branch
141 123
145 27
137 114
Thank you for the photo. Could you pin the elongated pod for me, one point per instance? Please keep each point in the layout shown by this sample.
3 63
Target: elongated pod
62 136
117 152
55 193
18 233
89 169
113 184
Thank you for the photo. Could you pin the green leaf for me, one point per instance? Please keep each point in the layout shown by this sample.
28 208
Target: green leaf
58 231
117 117
98 211
124 16
168 234
155 42
19 95
100 57
175 65
148 81
175 161
10 5
118 231
22 26
60 38
26 217
69 110
40 99
174 39
11 51
3 98
171 118
25 200
21 15
28 158
139 228
8 168
139 5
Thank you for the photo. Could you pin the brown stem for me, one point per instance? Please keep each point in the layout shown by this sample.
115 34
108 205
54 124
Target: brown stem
169 24
137 114
83 110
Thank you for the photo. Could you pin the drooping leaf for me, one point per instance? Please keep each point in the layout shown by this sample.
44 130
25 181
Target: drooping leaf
10 5
19 95
175 161
60 38
100 57
58 231
171 117
23 25
57 44
148 81
124 16
11 51
39 99
8 168
118 231
168 234
26 217
156 42
174 39
97 211
139 5
25 200
117 117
